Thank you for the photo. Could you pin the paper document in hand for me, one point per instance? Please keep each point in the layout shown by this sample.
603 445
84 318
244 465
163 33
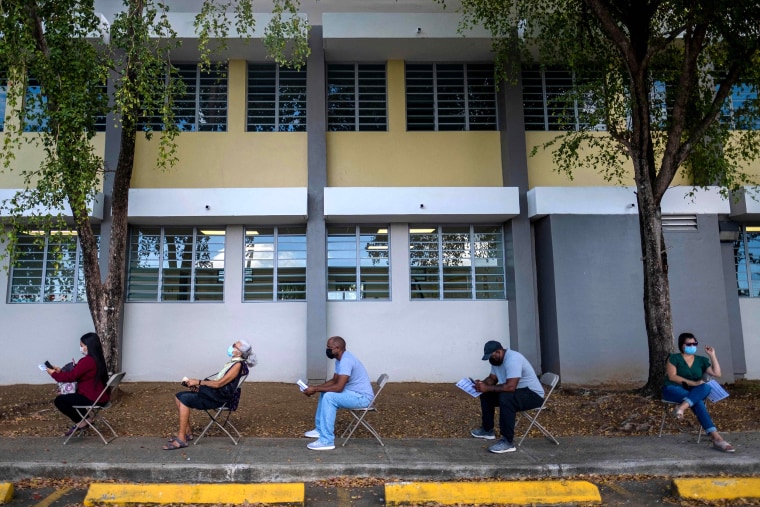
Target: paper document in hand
468 386
717 392
302 385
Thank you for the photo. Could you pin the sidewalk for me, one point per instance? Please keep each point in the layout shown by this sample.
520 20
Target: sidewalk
216 459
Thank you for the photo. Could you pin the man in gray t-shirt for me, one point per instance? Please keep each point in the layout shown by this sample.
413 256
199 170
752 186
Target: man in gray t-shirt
349 387
513 387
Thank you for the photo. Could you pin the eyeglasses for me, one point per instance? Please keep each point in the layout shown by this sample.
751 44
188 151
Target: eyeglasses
689 344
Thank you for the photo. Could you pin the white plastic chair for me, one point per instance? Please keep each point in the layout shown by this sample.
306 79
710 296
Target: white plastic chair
359 414
550 381
228 407
93 414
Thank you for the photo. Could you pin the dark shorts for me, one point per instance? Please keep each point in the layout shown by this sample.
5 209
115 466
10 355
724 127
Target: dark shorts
197 400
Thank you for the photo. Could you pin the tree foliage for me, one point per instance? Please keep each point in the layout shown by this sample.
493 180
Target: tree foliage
656 76
73 55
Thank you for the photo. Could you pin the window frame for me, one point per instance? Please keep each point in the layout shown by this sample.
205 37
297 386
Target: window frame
360 274
299 117
161 259
438 88
474 278
78 292
361 109
277 256
742 244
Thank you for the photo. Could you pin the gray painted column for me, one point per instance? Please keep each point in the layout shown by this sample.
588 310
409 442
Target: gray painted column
316 283
520 268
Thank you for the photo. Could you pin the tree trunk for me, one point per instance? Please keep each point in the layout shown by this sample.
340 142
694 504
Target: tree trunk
657 310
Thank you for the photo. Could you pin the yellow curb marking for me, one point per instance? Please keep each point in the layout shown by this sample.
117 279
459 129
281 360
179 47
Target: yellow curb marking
285 493
717 488
6 492
48 501
515 492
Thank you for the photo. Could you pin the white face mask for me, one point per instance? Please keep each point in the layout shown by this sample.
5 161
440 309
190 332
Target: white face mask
83 350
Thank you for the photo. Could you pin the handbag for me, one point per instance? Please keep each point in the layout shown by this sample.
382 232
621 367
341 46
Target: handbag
67 387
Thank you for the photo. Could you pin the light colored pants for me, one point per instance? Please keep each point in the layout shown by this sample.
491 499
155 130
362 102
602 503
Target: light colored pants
327 408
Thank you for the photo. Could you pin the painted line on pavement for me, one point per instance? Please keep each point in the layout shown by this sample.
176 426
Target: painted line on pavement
109 493
717 488
515 492
6 492
53 497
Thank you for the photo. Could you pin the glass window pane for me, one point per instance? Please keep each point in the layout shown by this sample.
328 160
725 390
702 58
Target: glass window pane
258 267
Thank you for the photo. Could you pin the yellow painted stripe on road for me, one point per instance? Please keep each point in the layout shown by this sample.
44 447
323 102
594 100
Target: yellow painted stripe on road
6 492
53 497
717 488
285 493
512 492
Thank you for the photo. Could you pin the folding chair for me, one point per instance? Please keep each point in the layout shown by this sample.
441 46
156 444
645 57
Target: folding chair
92 414
360 413
228 408
667 406
550 381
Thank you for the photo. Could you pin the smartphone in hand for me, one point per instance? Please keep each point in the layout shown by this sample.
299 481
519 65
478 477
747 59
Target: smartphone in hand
48 365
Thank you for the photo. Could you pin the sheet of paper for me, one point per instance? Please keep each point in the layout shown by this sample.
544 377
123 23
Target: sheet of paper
468 386
717 392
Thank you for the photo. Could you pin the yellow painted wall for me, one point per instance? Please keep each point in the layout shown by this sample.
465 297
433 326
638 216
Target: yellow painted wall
401 158
231 159
30 156
542 173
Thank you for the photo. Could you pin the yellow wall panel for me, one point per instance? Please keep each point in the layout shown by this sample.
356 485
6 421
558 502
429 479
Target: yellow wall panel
542 173
225 160
413 159
30 156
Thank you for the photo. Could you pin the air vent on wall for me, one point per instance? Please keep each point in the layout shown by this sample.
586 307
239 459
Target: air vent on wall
679 223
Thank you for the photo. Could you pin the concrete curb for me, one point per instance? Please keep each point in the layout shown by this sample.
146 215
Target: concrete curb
717 488
121 494
518 492
6 492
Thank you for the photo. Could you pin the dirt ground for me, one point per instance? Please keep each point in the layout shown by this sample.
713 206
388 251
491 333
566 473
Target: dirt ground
406 410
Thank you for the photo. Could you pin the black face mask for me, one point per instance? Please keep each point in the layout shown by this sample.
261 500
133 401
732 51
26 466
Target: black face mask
495 362
329 354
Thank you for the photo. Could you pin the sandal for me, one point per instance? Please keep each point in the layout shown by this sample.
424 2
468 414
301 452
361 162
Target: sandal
678 413
188 438
724 446
175 443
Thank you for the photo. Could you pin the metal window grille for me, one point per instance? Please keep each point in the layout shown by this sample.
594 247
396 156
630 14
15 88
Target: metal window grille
202 105
274 265
456 262
176 264
450 97
48 269
740 109
747 262
358 262
276 99
356 97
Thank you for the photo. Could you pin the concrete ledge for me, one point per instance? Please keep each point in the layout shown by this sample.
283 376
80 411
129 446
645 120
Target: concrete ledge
717 488
120 494
519 492
6 492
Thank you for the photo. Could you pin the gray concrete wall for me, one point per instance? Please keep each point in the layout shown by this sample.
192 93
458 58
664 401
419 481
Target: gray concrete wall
591 295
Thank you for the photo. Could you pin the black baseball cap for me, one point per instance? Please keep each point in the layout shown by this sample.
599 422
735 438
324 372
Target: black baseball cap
489 348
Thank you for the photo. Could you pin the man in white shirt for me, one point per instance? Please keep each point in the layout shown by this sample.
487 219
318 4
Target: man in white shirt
349 387
513 387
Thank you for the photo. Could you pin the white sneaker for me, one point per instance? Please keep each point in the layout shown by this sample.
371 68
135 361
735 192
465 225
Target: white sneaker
312 434
320 445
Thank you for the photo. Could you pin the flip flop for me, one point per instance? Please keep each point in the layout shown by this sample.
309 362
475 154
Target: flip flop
724 446
678 413
176 444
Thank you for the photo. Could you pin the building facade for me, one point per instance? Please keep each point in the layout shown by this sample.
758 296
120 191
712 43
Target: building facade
384 193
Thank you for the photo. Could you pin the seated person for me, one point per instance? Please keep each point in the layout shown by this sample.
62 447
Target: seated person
91 376
685 385
211 392
512 386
